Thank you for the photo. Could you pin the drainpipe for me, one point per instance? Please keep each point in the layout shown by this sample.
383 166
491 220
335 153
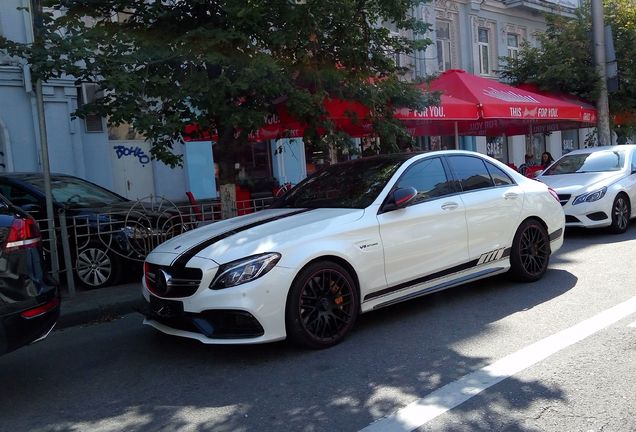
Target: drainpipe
602 105
35 7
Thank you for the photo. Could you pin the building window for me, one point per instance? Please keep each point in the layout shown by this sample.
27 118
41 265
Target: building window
513 45
483 44
443 36
89 93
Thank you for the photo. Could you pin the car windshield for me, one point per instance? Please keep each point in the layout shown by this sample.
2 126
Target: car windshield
353 184
606 160
73 192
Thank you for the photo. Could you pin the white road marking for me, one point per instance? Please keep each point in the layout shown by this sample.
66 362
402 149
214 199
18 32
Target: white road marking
632 324
451 395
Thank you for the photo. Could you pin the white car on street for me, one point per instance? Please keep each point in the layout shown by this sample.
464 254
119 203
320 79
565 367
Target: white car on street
596 186
350 239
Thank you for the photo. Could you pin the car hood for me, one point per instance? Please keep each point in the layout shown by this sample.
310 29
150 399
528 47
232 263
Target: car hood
572 183
268 230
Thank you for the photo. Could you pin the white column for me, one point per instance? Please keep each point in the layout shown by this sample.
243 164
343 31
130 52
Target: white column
480 144
553 144
517 149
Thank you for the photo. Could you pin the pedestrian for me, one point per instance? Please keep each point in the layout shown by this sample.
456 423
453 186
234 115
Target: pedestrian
546 160
529 161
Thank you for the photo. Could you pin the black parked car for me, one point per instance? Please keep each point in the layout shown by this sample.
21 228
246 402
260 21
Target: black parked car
107 232
29 299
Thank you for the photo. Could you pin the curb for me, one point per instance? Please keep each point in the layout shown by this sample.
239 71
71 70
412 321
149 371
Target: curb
70 317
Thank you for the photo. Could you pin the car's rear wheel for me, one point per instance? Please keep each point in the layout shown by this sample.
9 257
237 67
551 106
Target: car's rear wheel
530 251
322 305
621 214
97 266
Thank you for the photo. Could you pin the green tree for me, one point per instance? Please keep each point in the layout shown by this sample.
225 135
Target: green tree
225 64
564 60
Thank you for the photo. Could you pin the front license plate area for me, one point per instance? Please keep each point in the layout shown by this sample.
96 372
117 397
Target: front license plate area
162 308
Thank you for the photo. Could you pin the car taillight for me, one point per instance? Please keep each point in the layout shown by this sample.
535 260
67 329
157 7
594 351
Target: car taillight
554 194
23 234
41 310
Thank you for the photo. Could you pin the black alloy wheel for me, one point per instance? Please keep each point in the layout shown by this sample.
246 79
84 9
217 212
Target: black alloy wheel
322 305
621 214
96 266
530 252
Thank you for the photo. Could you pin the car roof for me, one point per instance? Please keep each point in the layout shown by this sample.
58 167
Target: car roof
602 148
33 175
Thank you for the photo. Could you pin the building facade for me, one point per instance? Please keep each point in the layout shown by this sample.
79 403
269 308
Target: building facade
474 35
466 34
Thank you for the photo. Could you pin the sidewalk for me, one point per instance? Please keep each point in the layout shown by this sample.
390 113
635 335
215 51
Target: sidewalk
99 305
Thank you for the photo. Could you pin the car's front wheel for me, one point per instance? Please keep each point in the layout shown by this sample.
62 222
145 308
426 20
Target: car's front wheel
97 266
621 214
530 251
322 305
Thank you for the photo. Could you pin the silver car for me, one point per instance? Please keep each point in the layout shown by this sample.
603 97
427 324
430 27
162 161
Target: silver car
596 186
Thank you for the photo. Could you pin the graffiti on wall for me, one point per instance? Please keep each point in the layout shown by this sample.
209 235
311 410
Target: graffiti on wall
137 152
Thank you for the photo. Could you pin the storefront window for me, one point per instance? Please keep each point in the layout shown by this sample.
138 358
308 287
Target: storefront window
536 147
497 147
254 166
569 141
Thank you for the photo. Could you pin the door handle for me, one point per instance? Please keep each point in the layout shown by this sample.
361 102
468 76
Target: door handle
449 206
511 195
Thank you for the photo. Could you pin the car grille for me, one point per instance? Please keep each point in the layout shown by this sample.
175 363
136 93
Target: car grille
172 282
564 198
571 219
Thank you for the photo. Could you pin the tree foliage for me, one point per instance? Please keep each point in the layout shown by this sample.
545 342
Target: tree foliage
225 64
564 60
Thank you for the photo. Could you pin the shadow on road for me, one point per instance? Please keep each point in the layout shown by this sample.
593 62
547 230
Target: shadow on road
121 376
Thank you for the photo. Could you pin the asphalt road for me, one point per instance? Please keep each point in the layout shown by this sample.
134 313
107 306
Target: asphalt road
121 375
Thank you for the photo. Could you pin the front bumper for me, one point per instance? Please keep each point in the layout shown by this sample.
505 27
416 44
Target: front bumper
596 214
250 313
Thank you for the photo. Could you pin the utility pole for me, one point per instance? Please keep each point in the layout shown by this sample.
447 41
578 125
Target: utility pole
602 105
36 15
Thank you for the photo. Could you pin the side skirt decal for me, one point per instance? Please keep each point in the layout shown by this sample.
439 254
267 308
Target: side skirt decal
183 259
556 234
485 258
442 286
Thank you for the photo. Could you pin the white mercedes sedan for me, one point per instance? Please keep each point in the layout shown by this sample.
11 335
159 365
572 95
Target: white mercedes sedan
596 186
350 239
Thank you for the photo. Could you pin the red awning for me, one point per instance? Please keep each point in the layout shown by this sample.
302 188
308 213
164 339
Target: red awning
469 105
501 101
588 111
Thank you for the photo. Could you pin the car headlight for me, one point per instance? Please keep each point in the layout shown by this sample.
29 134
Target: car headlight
590 196
244 270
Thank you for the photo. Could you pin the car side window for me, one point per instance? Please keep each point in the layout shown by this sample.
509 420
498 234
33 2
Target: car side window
428 177
17 196
471 172
499 177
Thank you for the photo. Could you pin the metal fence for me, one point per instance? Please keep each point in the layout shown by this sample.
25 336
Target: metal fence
85 237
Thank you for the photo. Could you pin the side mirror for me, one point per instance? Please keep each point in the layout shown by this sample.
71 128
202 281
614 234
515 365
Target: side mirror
399 198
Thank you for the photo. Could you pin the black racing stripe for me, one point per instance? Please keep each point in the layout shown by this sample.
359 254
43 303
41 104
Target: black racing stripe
555 235
183 259
432 276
